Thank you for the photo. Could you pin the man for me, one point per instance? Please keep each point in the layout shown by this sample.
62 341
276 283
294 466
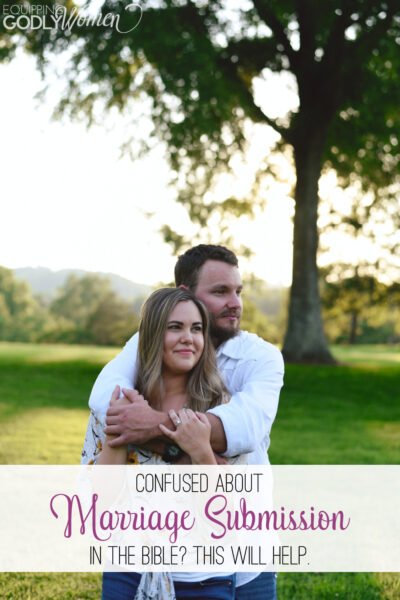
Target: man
253 372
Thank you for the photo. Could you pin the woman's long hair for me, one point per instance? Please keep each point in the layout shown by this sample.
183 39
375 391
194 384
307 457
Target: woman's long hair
205 387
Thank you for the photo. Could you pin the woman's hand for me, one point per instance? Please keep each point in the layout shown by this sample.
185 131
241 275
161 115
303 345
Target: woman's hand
123 401
192 434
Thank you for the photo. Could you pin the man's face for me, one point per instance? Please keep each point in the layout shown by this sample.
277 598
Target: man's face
219 287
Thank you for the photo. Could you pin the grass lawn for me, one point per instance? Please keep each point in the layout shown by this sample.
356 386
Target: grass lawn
44 392
348 414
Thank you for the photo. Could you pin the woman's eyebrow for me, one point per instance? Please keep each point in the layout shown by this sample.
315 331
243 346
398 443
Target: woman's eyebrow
181 323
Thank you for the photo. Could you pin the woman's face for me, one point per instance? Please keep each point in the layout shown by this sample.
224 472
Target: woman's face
184 339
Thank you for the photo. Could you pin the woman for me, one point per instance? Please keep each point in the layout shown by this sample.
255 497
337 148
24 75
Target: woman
177 373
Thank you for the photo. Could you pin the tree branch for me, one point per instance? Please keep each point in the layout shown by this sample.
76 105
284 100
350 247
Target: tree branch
249 105
271 20
263 118
306 19
333 50
255 54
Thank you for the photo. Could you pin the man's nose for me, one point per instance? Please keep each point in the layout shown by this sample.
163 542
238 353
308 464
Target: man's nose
234 301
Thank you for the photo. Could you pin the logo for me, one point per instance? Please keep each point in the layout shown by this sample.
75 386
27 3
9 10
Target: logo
28 17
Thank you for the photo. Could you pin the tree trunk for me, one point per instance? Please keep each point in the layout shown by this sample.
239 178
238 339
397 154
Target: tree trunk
353 328
305 339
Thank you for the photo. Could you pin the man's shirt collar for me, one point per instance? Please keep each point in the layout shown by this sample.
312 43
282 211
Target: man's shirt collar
244 346
232 348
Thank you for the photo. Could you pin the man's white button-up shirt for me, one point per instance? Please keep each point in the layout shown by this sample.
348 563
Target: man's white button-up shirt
253 372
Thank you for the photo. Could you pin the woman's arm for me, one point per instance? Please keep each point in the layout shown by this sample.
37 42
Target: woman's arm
112 456
192 434
118 454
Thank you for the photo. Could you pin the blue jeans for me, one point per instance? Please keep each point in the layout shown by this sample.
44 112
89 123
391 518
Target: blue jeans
123 586
262 587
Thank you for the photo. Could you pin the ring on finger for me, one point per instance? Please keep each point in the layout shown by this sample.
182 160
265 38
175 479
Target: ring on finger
177 422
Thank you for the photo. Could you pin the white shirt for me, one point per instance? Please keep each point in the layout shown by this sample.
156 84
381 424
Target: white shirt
253 372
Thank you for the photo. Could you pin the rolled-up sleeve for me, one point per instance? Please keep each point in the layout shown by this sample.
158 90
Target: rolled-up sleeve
247 419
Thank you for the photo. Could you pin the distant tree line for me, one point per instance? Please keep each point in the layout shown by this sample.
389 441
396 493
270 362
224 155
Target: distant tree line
360 309
85 311
356 309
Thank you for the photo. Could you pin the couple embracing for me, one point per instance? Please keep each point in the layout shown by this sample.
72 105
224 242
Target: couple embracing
203 388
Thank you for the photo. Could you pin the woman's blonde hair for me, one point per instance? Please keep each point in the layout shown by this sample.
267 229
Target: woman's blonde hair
205 387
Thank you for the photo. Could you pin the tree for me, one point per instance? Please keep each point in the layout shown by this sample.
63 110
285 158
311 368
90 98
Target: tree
367 233
198 62
360 309
352 300
255 321
113 322
88 311
21 318
264 309
79 298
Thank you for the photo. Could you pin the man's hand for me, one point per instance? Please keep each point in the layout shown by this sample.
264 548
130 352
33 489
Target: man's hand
132 420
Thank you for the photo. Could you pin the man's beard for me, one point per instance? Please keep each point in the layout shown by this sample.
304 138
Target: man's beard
219 335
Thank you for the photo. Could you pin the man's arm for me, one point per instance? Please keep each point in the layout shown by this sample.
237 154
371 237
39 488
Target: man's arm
247 419
237 427
218 437
120 371
138 423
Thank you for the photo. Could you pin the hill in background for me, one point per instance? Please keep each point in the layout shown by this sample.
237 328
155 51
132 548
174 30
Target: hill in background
45 282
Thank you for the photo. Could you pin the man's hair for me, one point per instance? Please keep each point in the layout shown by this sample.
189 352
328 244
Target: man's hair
189 264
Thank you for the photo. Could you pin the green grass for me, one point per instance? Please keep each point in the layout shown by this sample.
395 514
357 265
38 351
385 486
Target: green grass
50 586
338 415
44 392
348 414
338 586
371 356
55 353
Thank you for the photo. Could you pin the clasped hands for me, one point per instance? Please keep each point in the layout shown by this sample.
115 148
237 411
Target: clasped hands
130 419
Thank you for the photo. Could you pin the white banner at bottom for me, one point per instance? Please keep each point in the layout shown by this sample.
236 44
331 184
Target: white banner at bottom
222 519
